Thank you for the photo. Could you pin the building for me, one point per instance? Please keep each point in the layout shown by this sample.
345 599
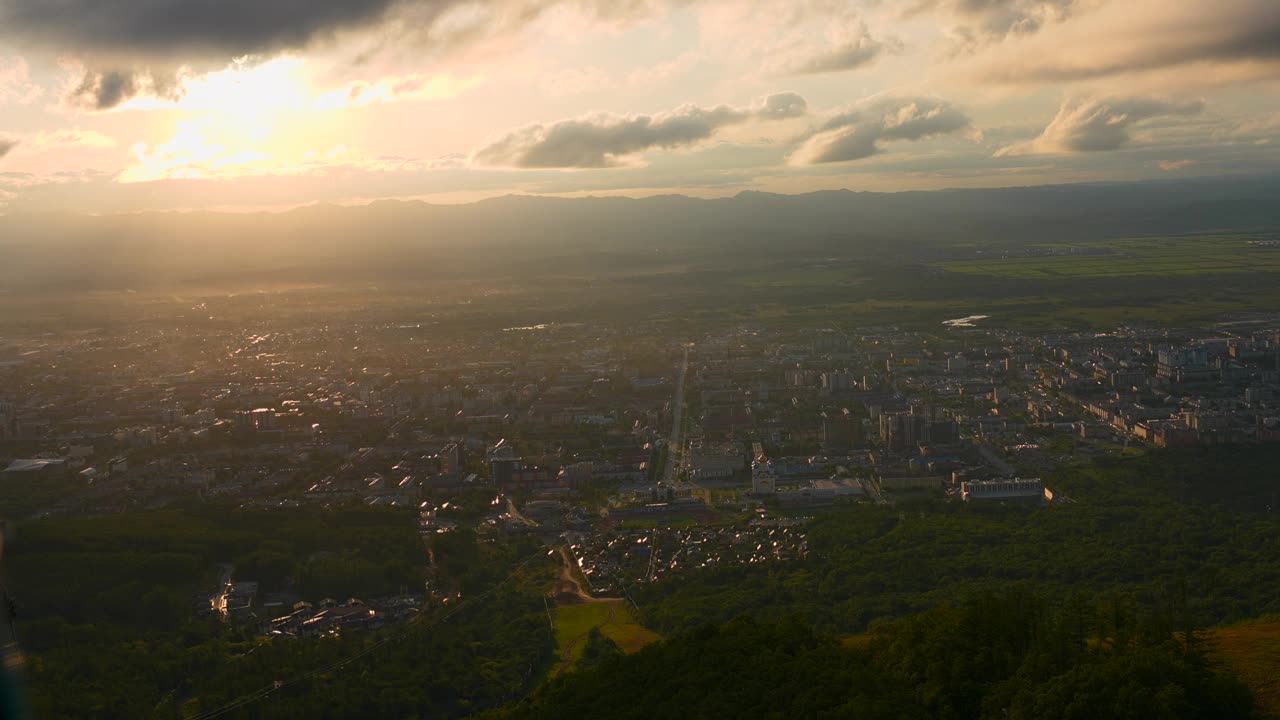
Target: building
943 432
715 461
502 464
1016 489
259 420
841 432
821 492
1187 365
838 381
35 466
9 425
451 460
354 614
678 506
903 432
841 488
911 483
764 478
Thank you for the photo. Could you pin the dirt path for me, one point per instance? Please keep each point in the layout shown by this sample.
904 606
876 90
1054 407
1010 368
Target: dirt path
568 588
567 657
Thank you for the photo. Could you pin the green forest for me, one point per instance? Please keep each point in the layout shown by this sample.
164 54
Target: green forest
106 616
1188 527
1085 609
1005 655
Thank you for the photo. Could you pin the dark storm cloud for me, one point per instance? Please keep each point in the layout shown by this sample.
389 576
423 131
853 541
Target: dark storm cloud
858 133
103 91
179 28
1153 37
129 47
1251 43
7 144
132 47
602 140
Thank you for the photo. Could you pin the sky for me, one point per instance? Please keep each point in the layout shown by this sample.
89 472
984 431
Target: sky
133 105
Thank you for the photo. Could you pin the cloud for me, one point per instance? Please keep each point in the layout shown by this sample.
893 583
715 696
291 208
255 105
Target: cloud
859 132
128 47
797 37
179 29
980 22
1146 35
46 140
664 72
400 88
105 90
1175 165
1266 125
849 45
15 82
605 140
190 153
69 138
780 106
1096 125
574 81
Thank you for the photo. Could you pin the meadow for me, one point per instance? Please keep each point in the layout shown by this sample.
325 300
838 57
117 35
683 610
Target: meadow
1252 650
613 618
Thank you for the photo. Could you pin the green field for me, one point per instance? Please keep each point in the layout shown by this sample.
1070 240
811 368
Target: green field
802 277
613 617
1158 257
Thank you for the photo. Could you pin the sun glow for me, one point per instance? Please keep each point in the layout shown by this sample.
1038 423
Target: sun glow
245 119
240 89
266 118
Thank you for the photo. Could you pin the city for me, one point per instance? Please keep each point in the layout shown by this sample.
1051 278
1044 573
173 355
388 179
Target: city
643 458
635 359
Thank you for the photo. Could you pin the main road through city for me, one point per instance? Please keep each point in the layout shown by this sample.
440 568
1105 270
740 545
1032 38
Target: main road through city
675 450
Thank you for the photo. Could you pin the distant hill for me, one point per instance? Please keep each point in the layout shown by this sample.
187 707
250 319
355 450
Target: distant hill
66 251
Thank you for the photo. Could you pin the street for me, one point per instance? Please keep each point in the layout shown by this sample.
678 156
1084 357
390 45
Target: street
675 446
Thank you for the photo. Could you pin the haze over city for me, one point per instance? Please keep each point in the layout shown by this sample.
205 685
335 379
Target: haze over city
636 359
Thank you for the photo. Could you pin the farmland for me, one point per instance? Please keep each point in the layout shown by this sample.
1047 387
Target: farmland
1193 255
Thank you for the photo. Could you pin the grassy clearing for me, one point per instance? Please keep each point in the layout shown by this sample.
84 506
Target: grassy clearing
856 642
613 617
1252 651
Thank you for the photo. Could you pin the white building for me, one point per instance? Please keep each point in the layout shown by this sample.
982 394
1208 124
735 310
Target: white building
1015 489
764 478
